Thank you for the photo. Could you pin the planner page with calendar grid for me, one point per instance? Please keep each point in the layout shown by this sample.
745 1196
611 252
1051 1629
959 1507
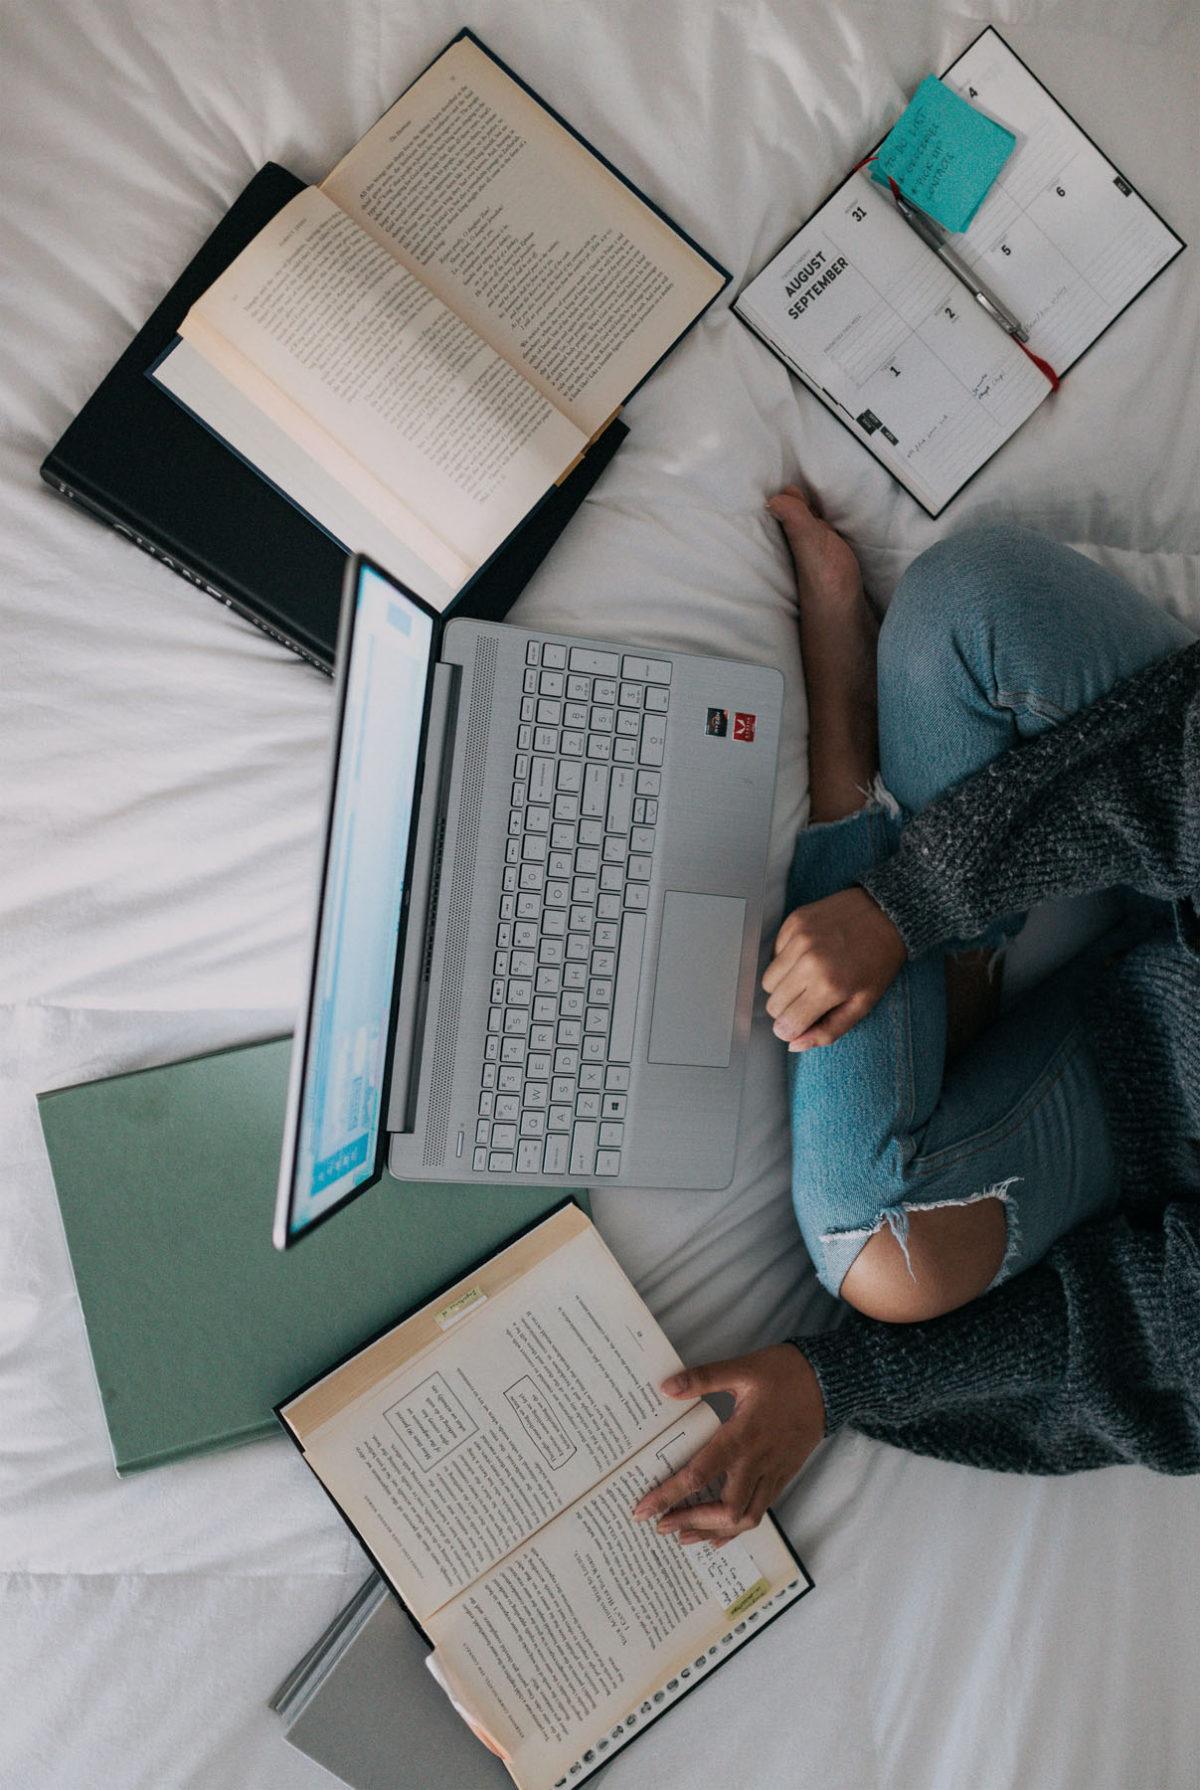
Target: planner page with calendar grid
1062 238
879 328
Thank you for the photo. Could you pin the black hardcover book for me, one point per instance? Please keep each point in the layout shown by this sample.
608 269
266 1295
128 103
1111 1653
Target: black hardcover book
138 461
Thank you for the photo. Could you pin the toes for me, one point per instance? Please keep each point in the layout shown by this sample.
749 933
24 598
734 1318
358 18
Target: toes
807 498
801 527
791 505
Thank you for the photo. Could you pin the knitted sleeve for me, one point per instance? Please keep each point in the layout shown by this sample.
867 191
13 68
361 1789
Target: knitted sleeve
1089 1359
1109 797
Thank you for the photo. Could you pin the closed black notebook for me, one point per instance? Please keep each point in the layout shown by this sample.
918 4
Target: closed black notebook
134 458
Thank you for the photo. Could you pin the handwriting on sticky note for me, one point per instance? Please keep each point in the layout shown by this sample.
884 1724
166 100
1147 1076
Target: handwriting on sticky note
943 154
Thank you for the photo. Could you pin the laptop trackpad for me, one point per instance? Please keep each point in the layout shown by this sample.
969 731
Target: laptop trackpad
695 991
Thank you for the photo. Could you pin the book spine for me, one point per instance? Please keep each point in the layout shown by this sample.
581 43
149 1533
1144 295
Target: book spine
74 495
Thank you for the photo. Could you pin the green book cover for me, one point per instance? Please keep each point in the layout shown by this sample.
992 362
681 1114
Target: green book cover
198 1326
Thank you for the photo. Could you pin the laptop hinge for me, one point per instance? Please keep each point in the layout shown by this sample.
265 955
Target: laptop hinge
416 961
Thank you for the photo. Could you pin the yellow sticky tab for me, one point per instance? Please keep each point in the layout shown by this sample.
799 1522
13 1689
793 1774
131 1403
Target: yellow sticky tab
460 1307
741 1604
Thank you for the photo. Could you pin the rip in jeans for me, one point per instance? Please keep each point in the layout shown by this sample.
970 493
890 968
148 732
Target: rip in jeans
896 1218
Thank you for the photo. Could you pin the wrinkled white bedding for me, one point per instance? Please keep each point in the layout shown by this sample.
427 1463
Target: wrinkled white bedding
162 768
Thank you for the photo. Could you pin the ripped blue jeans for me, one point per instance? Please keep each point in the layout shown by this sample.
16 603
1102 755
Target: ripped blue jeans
993 636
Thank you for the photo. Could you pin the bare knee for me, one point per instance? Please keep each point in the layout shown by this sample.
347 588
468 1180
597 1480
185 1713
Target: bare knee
955 1252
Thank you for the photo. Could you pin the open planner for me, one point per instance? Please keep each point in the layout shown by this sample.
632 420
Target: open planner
419 349
880 329
488 1451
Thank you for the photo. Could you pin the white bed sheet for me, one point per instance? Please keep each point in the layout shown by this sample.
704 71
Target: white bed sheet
162 774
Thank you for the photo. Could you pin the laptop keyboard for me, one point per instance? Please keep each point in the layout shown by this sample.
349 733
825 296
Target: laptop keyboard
572 922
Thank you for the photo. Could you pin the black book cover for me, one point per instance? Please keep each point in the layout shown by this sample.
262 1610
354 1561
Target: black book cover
136 459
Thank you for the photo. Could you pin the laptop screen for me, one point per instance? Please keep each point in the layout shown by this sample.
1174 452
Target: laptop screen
334 1143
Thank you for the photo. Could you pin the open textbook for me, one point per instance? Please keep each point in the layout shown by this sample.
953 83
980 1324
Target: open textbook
877 326
488 1451
418 349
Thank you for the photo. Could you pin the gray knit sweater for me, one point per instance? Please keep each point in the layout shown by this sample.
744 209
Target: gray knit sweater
1092 1356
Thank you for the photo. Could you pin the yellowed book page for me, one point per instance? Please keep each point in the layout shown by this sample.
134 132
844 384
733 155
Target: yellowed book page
524 233
559 1645
517 1395
398 381
439 571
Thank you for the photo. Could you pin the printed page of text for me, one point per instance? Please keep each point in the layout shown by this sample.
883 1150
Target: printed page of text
278 456
453 1459
1061 237
869 316
524 233
329 319
571 1633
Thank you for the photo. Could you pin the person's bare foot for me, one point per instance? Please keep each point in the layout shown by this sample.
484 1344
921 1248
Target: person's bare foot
838 631
826 568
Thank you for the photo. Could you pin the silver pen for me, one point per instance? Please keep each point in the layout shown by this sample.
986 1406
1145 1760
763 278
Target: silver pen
931 235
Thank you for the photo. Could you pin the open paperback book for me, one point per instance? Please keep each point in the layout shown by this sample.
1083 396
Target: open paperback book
488 1451
877 326
418 349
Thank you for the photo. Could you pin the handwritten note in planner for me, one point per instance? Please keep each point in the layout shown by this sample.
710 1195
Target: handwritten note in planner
877 324
943 154
1062 237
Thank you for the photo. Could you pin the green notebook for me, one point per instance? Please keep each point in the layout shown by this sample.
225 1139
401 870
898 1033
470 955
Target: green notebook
198 1326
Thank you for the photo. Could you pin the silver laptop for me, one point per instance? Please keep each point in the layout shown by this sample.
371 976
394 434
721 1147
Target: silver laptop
537 931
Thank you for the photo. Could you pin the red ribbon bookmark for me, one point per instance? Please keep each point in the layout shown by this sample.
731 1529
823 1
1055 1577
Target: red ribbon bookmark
1043 366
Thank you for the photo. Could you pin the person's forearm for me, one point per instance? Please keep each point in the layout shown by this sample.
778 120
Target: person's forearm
1099 801
1088 1359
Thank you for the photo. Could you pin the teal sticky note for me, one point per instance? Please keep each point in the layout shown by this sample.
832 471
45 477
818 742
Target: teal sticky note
943 154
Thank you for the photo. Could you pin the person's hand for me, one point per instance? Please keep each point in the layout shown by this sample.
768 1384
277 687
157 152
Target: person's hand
777 1420
833 960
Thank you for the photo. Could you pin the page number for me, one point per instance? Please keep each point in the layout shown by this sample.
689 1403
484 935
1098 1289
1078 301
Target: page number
857 213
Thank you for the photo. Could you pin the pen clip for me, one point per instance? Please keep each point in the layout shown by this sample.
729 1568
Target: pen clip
1010 325
914 215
